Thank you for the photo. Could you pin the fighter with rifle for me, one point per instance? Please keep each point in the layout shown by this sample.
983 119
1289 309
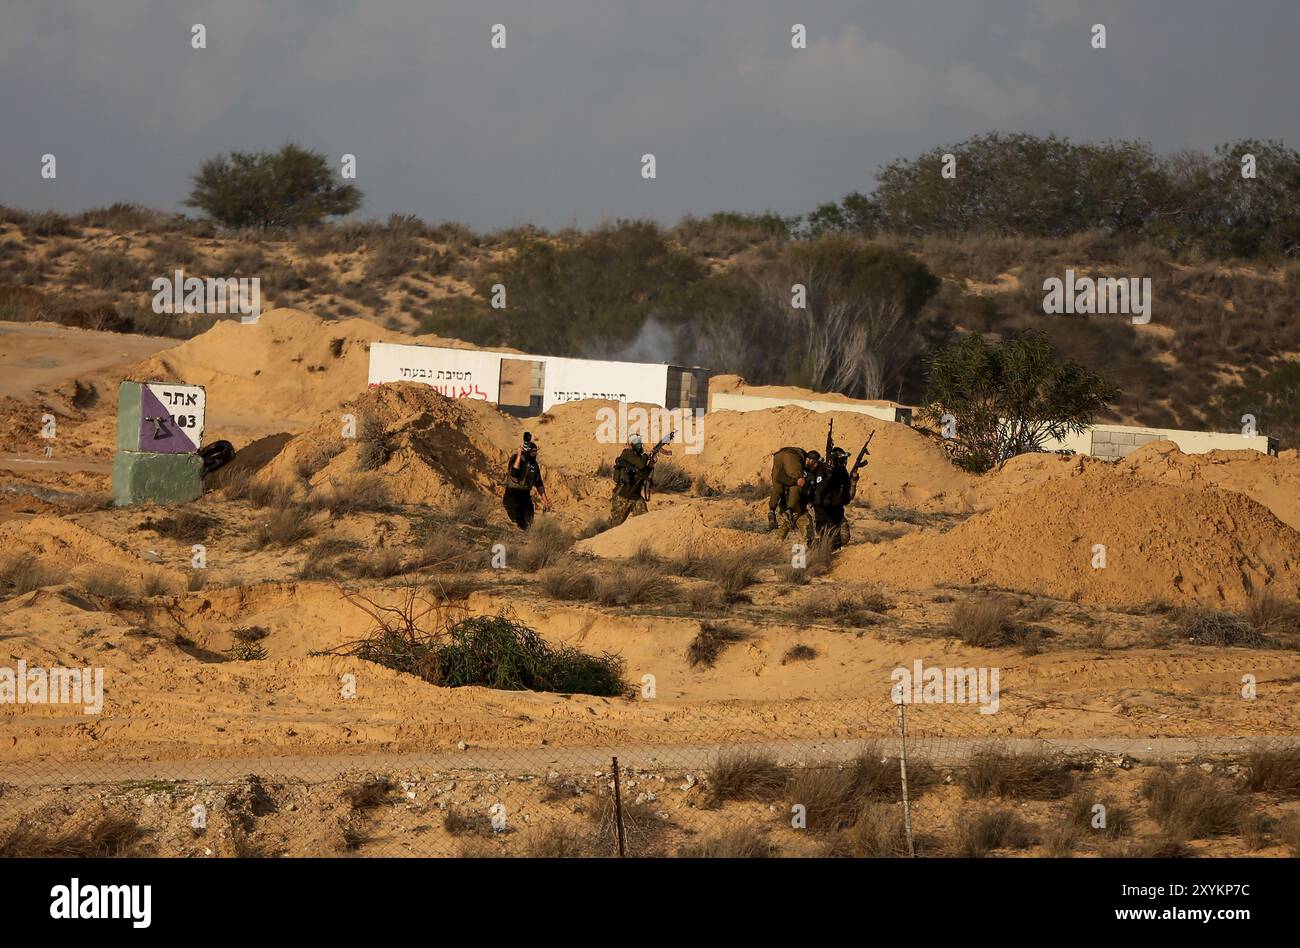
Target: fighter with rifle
832 491
523 476
634 478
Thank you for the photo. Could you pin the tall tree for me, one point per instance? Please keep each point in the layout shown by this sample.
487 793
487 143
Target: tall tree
292 187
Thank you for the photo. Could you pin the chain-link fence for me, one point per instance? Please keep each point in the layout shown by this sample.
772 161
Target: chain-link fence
881 780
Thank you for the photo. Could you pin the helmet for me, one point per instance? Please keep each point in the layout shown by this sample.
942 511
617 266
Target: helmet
814 456
838 455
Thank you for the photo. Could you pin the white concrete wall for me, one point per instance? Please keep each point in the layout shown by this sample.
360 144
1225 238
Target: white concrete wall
475 373
1116 441
730 401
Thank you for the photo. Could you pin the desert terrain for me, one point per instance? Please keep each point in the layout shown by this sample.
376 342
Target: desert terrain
243 689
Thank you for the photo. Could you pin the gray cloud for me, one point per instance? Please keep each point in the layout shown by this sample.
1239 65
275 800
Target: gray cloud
551 130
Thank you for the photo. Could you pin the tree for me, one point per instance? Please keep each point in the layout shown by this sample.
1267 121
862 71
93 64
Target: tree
1006 399
589 297
289 188
859 326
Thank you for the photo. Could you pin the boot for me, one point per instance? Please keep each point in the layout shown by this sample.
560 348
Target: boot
771 520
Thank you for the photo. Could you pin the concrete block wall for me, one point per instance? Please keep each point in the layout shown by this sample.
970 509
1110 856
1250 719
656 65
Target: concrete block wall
1111 444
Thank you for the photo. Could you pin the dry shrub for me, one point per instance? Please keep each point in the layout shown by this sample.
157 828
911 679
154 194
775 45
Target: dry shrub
671 479
1080 814
738 842
1287 828
187 526
744 775
643 828
799 653
372 444
457 822
752 491
880 831
353 495
1154 847
834 796
285 527
1216 627
841 609
1274 771
547 542
450 588
557 842
105 583
1270 614
370 793
450 555
154 584
1062 838
629 586
1193 804
1255 828
1027 775
817 562
259 493
21 574
892 513
979 833
704 597
731 571
710 642
1149 608
983 621
315 457
568 582
106 837
470 509
379 564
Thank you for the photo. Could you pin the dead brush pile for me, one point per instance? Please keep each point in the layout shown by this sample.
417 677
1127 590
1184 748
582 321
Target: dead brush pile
446 647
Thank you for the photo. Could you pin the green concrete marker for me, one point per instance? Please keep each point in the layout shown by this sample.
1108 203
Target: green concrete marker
161 478
159 432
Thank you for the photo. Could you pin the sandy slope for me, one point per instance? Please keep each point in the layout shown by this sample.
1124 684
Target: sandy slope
1209 529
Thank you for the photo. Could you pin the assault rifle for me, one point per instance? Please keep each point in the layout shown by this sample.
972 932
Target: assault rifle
862 455
661 447
830 442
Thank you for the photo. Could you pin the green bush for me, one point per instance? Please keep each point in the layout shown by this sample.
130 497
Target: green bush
289 188
496 652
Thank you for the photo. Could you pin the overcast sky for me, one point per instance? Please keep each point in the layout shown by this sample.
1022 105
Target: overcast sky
551 129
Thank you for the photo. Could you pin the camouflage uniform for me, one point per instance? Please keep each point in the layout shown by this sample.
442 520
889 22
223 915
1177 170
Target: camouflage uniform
628 500
789 466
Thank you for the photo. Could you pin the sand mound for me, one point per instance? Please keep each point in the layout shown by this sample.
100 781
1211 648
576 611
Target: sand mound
275 374
1162 540
437 447
1272 481
72 552
672 532
906 467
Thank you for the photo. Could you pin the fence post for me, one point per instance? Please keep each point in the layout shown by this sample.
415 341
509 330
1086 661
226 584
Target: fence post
902 768
618 811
